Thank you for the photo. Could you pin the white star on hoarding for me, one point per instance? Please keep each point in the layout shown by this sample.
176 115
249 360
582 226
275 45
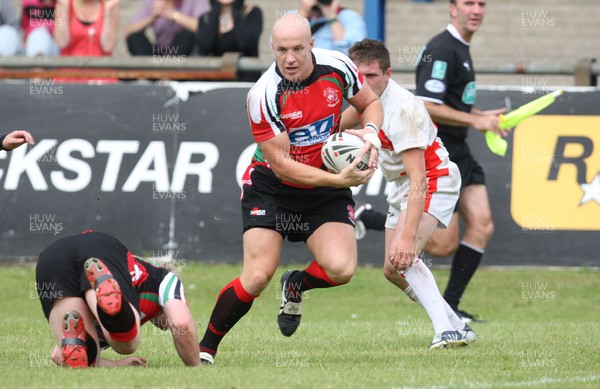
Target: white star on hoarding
591 191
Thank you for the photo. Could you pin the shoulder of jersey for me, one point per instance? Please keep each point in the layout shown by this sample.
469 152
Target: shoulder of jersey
269 78
398 93
330 57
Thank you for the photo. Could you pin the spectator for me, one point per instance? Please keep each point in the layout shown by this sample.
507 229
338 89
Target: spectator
37 23
10 37
174 23
86 27
231 26
333 27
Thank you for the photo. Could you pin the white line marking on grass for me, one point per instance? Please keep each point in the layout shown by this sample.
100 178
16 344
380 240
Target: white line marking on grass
518 384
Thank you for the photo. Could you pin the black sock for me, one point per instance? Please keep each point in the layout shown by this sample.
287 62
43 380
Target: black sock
464 264
373 220
232 304
122 322
313 277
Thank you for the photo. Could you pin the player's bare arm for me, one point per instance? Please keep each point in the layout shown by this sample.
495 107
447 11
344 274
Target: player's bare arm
367 105
277 152
349 119
444 114
403 249
185 336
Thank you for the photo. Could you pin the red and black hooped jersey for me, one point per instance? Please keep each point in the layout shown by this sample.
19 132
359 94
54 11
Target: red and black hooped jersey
309 110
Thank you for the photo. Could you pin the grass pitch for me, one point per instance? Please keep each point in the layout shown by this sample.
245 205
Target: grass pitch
542 331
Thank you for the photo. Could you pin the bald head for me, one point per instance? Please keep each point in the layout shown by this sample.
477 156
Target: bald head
292 45
291 26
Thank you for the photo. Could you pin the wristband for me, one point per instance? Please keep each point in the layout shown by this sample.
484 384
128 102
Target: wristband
372 127
374 139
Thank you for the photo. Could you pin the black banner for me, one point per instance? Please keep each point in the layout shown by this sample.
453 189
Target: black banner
159 167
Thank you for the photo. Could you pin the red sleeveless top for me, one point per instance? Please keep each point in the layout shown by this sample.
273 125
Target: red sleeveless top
85 38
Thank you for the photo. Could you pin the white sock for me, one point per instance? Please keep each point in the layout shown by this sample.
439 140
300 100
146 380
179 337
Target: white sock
452 316
423 284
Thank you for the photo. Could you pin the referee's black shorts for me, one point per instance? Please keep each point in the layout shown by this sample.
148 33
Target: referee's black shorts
60 273
471 172
294 213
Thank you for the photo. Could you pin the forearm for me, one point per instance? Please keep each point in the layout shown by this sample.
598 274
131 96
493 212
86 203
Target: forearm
188 22
62 34
444 114
373 113
349 119
139 25
110 30
302 174
337 29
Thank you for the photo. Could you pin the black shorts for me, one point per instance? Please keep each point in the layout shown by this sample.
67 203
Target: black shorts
59 271
471 172
295 213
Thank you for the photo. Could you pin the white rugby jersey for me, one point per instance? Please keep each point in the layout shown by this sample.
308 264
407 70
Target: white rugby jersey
407 125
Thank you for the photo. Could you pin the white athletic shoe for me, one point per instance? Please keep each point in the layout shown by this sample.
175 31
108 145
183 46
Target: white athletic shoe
448 339
468 334
206 358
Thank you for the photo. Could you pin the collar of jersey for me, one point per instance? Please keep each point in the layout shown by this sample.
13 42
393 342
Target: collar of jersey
454 32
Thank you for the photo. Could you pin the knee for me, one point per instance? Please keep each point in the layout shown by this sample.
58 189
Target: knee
10 41
179 327
483 232
390 273
342 273
489 230
256 281
441 249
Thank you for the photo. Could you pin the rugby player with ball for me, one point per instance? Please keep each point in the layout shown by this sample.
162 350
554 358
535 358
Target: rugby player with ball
293 108
425 188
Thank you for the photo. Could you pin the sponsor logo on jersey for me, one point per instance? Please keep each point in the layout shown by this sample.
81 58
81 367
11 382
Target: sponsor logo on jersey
312 133
439 69
435 86
292 115
556 173
469 93
257 212
332 96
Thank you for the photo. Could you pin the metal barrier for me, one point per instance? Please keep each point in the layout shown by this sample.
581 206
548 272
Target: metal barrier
585 71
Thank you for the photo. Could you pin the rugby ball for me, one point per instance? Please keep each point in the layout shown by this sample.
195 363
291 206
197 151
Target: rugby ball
341 149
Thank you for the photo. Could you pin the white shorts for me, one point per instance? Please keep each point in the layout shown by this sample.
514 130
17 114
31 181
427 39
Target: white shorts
442 195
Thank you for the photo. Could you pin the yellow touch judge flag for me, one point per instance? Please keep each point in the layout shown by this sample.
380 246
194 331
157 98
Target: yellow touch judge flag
556 173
